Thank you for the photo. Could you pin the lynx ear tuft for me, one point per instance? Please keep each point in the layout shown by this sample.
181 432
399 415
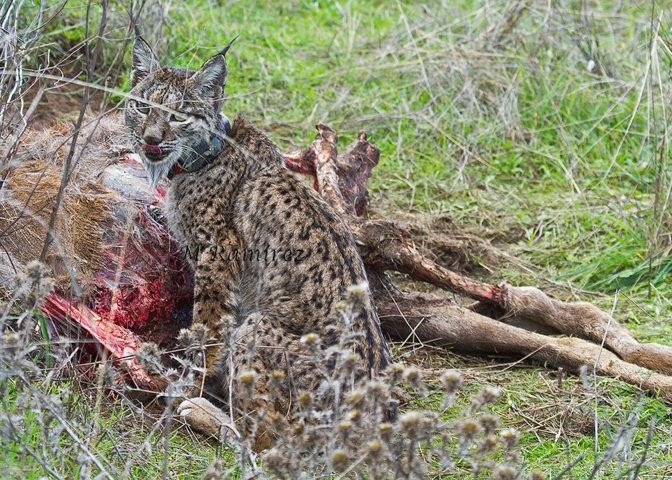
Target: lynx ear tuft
228 46
210 80
144 60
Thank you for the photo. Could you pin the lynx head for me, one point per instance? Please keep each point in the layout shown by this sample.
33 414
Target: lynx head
175 117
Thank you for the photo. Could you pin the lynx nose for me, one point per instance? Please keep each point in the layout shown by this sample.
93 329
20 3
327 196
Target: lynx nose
151 139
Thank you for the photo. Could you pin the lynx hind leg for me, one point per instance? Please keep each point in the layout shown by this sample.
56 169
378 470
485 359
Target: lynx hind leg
263 347
204 417
267 350
251 397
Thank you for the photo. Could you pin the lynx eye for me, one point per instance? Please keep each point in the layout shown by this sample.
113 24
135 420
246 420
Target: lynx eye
140 107
178 118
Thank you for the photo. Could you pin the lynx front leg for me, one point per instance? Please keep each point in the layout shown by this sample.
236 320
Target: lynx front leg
216 274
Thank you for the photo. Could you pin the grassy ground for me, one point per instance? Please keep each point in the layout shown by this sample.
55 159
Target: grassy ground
517 135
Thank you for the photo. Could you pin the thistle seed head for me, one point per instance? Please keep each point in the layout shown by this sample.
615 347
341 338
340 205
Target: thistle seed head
413 378
305 400
488 422
215 471
298 429
510 437
311 340
451 380
275 461
411 424
504 472
344 425
33 284
378 391
355 415
10 342
247 378
356 398
468 429
488 444
339 460
484 397
277 380
396 371
386 430
349 363
374 449
357 294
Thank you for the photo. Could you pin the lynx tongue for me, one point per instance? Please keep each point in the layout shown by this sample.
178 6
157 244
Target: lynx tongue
155 149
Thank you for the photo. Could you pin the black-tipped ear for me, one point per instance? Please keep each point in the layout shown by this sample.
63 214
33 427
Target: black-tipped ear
210 80
144 60
228 45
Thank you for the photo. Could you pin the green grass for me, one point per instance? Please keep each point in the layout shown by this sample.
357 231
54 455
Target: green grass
557 424
573 192
121 441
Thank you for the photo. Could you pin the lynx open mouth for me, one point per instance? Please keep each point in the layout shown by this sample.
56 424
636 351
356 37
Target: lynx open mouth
154 153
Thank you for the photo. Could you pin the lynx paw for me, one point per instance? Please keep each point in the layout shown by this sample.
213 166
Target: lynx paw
204 417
